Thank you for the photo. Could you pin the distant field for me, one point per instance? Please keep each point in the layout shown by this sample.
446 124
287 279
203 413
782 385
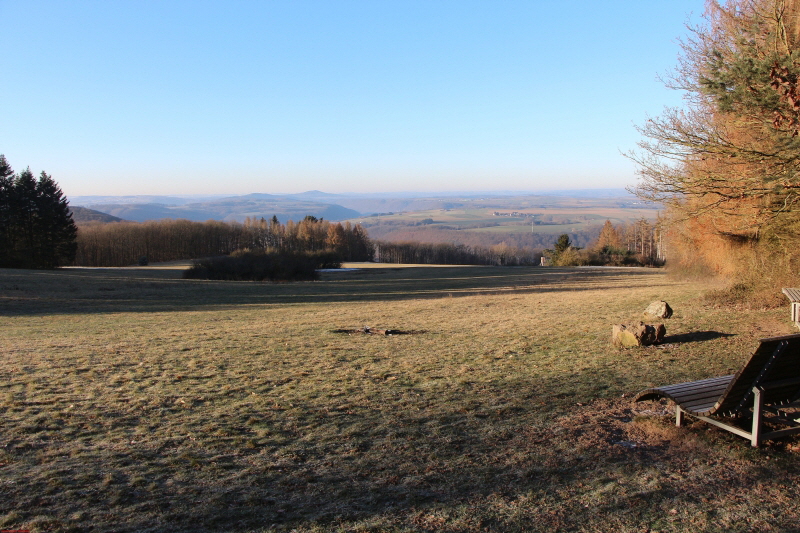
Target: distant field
133 400
471 216
530 226
549 229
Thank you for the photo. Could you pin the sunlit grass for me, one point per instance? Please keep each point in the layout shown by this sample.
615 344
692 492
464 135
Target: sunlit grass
133 400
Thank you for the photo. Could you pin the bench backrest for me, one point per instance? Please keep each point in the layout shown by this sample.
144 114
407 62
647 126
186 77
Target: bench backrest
775 359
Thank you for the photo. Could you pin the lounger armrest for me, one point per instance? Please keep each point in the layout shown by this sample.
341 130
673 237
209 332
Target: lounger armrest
649 394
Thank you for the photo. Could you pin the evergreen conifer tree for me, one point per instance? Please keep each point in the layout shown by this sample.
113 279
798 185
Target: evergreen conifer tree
6 186
23 220
55 229
562 244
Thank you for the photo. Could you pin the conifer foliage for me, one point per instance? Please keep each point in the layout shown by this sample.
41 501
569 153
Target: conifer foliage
36 227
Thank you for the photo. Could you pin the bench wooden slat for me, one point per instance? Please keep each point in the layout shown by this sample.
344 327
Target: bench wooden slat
700 406
698 384
688 394
792 293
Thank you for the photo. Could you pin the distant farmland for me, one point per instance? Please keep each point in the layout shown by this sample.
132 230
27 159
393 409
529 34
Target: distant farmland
531 226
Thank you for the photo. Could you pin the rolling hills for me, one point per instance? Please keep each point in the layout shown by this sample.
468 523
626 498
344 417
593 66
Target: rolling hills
477 219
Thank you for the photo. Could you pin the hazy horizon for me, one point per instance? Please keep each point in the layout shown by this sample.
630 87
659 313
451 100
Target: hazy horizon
580 193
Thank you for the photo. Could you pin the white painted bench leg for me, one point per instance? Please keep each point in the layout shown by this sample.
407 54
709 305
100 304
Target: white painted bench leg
755 440
678 416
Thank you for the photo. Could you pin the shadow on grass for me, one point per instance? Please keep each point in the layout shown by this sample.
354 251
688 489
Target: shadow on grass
697 336
407 462
135 290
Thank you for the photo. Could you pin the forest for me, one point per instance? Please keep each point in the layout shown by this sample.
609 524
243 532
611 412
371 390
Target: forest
127 243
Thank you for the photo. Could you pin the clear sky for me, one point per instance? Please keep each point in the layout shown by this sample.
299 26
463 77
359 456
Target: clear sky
234 97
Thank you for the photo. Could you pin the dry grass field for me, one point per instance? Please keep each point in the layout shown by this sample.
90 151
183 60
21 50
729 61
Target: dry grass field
133 400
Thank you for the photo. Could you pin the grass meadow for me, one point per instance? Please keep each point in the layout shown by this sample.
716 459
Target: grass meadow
134 400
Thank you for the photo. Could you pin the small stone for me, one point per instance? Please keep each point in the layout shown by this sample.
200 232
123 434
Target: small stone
659 309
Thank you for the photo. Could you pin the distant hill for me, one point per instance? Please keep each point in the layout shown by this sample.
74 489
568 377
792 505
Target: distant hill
314 195
145 212
234 208
256 196
83 215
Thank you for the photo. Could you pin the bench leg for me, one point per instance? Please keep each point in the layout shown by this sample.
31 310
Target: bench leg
678 416
755 439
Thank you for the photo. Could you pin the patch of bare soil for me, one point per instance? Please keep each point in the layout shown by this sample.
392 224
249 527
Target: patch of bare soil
366 330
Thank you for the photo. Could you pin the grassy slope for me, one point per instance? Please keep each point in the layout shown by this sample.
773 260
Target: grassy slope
133 401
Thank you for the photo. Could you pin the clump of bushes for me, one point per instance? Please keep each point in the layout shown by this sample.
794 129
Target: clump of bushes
621 257
564 254
247 265
581 257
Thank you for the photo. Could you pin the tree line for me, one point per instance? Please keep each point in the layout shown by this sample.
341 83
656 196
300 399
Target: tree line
126 243
36 227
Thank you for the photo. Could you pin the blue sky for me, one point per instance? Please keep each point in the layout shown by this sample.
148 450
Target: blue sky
207 97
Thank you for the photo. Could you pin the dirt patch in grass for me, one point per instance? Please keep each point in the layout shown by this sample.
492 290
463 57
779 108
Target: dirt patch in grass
366 330
166 404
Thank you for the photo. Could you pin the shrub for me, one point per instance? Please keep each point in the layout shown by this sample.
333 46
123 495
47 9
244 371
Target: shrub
571 257
246 265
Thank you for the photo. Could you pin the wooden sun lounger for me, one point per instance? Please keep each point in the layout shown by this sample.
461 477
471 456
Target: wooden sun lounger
768 380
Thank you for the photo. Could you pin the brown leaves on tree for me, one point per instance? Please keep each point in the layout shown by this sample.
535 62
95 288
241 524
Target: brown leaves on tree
786 84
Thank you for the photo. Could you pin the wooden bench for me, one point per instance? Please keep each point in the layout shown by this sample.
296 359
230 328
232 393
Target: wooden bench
767 383
794 302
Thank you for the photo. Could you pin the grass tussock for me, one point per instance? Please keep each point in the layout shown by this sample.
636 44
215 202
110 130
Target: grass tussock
135 400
